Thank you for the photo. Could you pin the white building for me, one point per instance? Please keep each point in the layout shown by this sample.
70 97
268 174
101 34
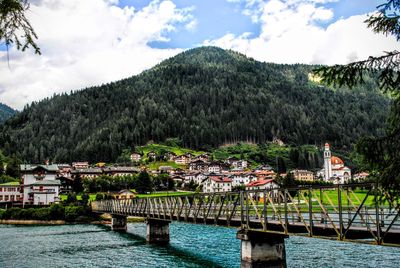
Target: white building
334 169
39 184
239 179
214 167
269 185
217 183
10 192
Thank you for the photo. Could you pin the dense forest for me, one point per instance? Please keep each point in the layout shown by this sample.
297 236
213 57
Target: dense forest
205 97
5 112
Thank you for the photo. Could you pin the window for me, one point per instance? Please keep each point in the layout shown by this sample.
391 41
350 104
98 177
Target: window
6 198
1 189
12 197
1 198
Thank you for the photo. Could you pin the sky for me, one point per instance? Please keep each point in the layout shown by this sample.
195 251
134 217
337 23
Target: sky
91 42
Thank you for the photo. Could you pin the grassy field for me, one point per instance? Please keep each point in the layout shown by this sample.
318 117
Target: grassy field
92 197
156 165
157 148
161 194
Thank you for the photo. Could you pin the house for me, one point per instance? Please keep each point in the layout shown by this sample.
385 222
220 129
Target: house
39 184
265 174
178 179
203 157
80 165
121 171
263 167
360 176
125 194
231 160
198 165
87 173
196 177
217 183
182 160
10 192
166 169
242 179
268 185
214 167
151 155
302 175
240 164
136 157
66 183
170 156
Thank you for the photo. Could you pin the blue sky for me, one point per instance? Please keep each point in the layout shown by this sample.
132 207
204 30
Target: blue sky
218 17
90 42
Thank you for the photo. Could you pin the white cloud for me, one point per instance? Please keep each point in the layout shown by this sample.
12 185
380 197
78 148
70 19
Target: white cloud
289 33
87 43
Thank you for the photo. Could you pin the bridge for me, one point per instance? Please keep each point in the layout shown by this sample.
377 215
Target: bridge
266 217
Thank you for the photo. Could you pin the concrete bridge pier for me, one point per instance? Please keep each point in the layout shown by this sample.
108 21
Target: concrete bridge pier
157 231
119 223
261 249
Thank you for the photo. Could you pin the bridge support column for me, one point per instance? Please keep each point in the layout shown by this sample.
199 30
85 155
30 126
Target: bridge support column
261 249
157 231
118 223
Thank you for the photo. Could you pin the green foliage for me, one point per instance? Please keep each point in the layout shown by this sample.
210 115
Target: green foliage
6 112
380 154
73 212
278 157
15 27
99 196
13 167
54 212
144 183
71 198
204 97
5 178
85 199
163 182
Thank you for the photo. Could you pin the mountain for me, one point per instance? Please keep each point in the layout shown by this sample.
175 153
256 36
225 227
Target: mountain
6 112
205 97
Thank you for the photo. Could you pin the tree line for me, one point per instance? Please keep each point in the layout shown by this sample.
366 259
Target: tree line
205 97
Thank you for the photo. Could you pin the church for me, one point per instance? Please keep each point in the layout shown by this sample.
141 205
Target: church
334 169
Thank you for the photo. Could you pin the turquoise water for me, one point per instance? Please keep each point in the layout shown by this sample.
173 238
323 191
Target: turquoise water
191 246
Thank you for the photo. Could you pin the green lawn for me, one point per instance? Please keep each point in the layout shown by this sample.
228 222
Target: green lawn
92 197
161 194
156 165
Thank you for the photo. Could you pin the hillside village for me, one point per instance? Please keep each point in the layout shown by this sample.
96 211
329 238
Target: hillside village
44 184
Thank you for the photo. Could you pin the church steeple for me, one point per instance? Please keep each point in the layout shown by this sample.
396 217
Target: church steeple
327 162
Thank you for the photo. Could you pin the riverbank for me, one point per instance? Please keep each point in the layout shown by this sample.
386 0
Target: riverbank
32 222
130 219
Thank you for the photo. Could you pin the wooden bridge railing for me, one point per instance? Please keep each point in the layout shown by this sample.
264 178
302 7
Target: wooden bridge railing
340 211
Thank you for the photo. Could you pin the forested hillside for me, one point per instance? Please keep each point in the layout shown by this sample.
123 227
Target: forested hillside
205 97
5 112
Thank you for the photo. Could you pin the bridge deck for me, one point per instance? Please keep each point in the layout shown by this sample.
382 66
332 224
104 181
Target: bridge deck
304 211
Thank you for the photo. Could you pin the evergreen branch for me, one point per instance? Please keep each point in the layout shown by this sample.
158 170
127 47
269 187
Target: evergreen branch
387 66
12 21
380 23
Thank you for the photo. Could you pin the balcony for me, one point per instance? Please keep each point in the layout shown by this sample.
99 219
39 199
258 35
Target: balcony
39 176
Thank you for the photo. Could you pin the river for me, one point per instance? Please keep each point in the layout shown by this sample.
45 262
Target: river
191 246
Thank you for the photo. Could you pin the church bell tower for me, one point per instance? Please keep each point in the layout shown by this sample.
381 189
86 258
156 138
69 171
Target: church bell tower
327 163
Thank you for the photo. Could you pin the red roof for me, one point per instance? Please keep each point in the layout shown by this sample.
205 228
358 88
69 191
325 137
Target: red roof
336 161
220 179
259 183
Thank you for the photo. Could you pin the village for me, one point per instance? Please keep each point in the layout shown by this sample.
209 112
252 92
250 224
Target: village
44 184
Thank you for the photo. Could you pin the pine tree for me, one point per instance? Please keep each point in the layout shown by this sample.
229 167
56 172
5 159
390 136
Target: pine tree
381 154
